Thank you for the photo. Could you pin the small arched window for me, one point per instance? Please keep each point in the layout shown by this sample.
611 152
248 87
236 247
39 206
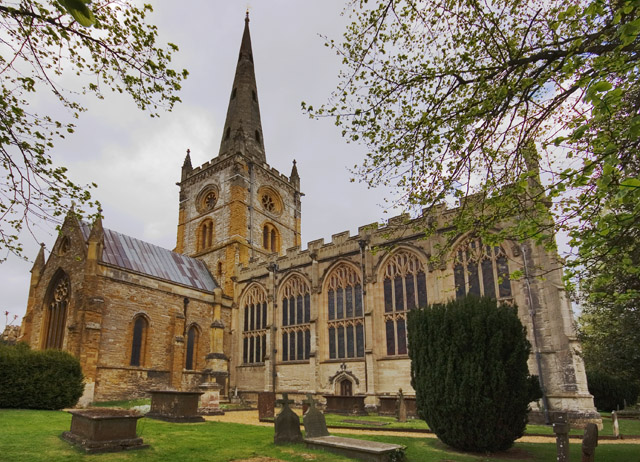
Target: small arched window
192 348
481 269
138 341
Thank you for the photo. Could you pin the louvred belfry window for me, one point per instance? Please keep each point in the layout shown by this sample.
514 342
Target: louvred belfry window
254 332
296 314
345 313
405 288
481 270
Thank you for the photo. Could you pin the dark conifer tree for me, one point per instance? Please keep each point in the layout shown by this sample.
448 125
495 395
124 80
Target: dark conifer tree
469 371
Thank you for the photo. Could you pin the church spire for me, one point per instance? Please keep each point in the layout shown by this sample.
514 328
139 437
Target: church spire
242 128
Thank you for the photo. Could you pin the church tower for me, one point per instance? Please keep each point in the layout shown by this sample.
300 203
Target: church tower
236 208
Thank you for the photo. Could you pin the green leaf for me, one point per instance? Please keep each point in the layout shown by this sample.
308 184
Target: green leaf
79 10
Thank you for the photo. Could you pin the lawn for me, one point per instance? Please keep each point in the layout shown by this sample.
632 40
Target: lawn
34 436
629 427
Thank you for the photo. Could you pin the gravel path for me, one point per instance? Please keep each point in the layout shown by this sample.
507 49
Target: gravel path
251 418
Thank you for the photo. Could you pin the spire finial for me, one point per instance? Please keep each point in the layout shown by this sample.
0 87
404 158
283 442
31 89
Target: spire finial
246 19
188 151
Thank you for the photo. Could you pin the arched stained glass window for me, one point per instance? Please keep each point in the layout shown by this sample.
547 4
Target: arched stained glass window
345 317
58 301
296 314
481 270
254 332
405 288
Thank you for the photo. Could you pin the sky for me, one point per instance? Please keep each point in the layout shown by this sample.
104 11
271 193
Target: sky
136 160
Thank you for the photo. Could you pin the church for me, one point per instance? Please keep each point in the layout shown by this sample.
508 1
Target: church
241 303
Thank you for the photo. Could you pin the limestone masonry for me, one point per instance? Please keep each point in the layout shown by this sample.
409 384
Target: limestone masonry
238 302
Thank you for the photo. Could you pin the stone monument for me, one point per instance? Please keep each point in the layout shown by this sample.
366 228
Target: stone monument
210 399
615 424
402 407
287 423
315 424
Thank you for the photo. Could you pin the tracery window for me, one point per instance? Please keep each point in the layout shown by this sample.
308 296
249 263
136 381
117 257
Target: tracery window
207 199
254 333
192 347
205 235
139 340
270 199
345 313
405 288
58 301
296 314
481 270
270 238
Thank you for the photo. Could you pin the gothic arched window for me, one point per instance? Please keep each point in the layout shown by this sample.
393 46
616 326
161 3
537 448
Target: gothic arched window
405 288
58 301
345 320
481 270
254 332
296 314
138 340
192 348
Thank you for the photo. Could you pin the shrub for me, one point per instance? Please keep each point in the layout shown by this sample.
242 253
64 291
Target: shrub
29 379
469 371
609 392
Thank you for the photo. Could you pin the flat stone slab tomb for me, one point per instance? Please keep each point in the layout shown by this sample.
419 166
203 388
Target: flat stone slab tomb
104 430
360 449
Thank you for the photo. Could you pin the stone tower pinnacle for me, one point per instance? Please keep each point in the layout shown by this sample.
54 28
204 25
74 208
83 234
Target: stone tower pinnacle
242 128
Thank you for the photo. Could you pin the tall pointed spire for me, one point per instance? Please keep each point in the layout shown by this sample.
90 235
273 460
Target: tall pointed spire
242 128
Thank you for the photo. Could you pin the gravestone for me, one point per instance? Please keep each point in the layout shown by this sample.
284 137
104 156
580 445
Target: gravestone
402 407
615 424
561 430
287 423
315 424
266 404
589 443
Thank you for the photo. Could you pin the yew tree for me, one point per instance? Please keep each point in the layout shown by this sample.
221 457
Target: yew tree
66 49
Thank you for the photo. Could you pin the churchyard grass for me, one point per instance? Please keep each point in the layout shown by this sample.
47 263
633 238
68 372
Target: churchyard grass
629 427
124 404
34 436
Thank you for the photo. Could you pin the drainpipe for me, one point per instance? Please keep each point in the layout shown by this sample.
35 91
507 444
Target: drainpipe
532 314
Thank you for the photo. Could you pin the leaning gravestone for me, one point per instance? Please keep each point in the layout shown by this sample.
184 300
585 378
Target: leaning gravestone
287 423
315 424
589 443
561 430
402 407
